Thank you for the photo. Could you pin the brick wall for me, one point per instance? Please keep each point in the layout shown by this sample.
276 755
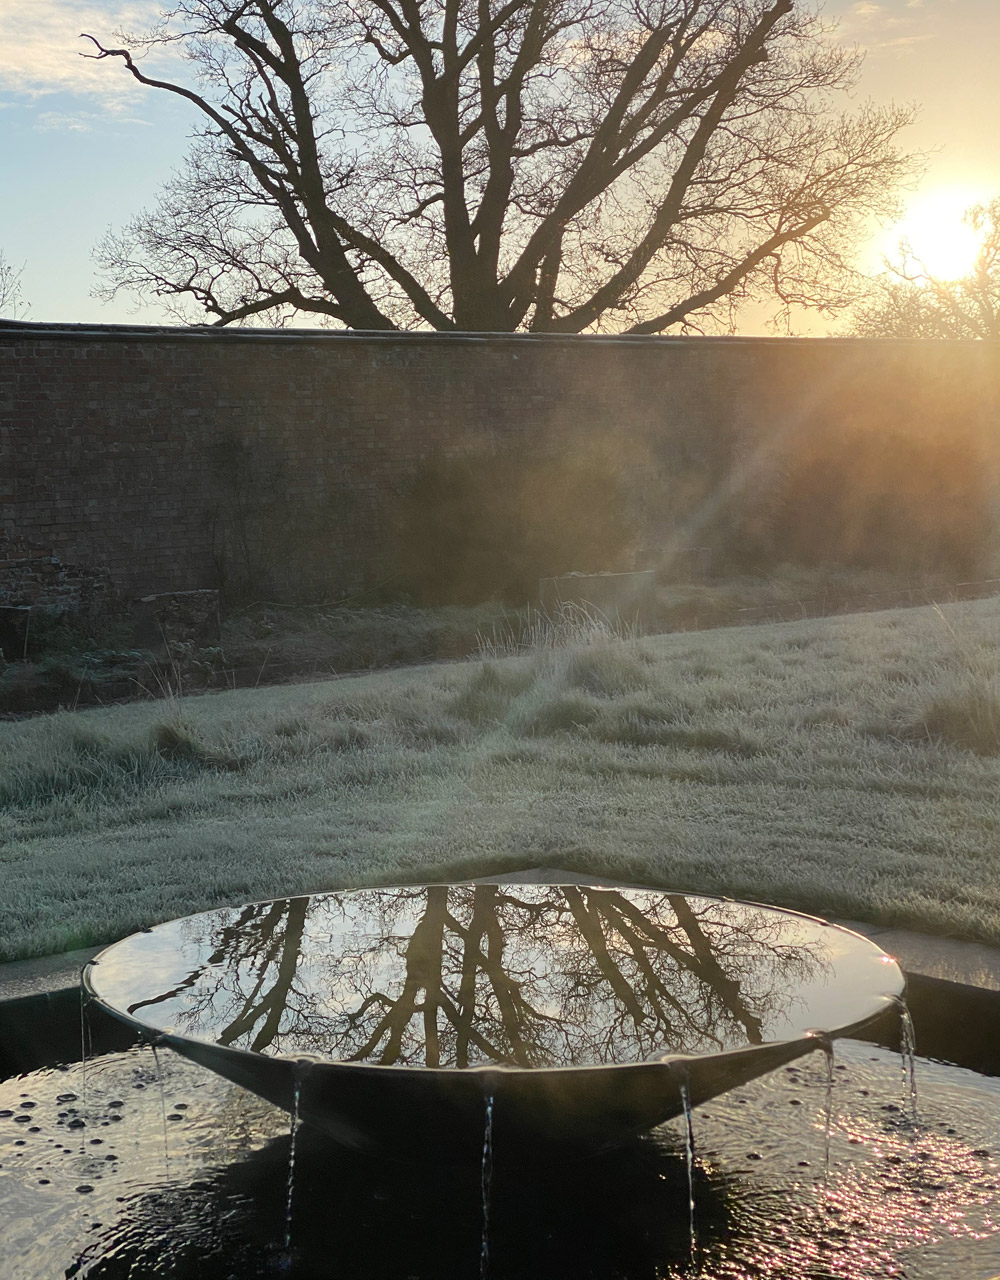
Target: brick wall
133 449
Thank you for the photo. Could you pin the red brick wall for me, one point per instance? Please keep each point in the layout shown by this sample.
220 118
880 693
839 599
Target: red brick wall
110 438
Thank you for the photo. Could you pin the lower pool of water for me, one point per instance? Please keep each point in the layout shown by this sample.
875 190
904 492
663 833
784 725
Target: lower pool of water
103 1175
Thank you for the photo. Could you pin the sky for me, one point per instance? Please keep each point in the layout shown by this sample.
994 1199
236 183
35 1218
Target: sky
83 147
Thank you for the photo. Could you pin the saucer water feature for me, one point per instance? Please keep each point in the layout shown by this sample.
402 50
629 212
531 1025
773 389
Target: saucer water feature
488 1060
386 1017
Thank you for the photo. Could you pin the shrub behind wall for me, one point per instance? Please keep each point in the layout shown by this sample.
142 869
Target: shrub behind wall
885 496
268 535
487 524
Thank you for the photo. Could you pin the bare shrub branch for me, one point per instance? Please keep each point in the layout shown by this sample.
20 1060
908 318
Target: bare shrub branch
910 302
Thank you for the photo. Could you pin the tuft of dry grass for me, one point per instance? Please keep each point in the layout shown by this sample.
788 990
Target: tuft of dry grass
487 695
968 718
175 740
607 671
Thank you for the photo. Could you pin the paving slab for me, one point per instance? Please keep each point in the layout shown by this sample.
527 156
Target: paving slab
43 974
973 964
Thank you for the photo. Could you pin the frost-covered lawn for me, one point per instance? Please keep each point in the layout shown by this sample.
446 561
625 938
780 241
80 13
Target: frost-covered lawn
846 766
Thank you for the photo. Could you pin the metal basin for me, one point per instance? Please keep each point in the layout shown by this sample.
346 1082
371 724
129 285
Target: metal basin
387 1017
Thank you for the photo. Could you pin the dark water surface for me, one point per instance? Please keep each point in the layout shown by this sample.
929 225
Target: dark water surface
521 976
96 1189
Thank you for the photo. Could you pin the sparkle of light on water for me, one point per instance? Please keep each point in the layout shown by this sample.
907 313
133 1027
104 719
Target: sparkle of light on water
921 1203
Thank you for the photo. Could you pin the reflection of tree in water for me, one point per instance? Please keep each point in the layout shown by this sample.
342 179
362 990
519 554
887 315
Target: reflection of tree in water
518 975
250 970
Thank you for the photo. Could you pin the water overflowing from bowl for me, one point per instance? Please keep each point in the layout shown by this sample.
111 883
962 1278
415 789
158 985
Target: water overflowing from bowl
486 1186
293 1133
689 1168
908 1057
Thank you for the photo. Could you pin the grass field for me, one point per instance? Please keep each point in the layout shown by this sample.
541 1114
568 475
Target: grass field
848 766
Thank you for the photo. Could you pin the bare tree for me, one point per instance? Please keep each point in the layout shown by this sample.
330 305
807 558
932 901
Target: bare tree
12 303
910 302
552 165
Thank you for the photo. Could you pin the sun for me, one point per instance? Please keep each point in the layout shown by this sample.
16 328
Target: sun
933 232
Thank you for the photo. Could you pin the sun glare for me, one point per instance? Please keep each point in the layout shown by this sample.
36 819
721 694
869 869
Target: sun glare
932 230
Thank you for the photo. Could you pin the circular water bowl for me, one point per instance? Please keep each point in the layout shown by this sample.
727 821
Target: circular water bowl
389 1018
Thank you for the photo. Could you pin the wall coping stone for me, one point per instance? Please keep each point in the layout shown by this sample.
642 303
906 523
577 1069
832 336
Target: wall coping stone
19 330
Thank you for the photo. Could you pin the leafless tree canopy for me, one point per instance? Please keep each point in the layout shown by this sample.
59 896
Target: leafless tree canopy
552 165
12 304
912 303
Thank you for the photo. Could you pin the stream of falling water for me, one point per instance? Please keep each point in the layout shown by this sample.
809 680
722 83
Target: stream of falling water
86 1053
84 1001
163 1105
487 1188
825 1044
689 1159
298 1071
908 1055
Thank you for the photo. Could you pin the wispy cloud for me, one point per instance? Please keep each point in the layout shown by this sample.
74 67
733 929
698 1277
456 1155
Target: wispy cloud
41 47
62 122
899 41
892 27
79 121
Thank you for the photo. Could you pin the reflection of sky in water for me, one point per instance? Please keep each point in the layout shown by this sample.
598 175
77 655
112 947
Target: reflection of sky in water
523 975
146 961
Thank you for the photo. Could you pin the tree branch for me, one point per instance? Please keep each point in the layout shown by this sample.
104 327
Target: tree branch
729 281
